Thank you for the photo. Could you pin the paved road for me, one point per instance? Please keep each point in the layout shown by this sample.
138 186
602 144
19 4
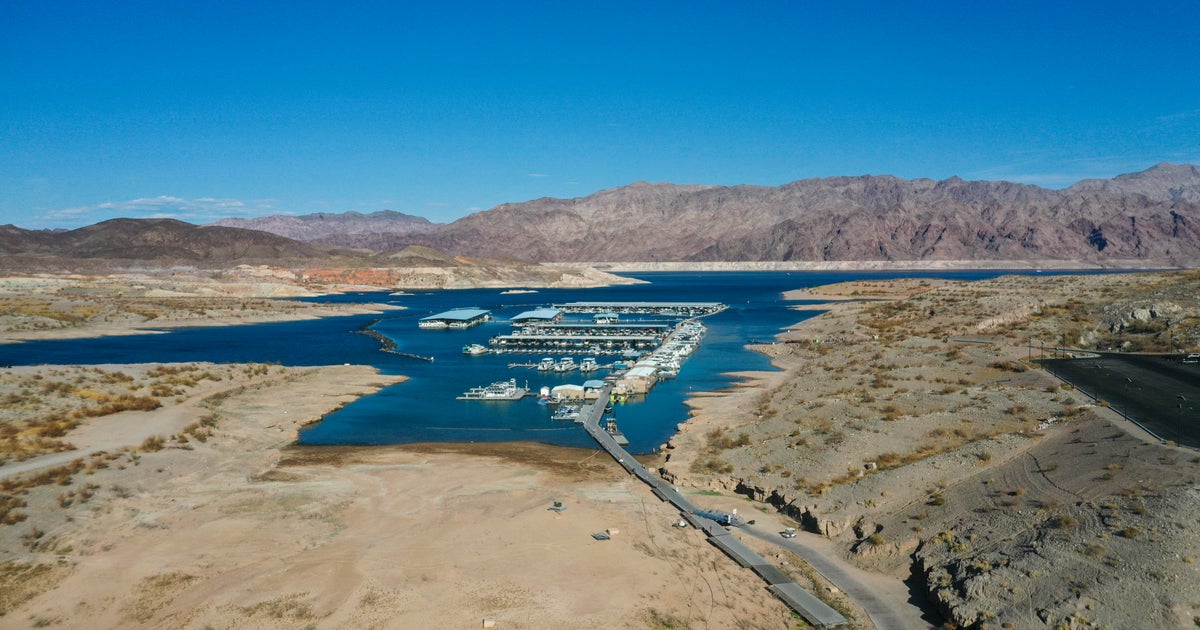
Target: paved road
812 609
1160 393
883 614
878 600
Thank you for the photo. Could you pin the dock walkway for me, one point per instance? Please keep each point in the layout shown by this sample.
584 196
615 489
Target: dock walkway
806 604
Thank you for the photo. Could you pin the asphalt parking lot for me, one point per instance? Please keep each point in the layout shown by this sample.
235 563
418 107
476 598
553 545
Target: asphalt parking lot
1159 392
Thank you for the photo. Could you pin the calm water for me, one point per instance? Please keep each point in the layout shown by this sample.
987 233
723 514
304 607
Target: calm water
424 408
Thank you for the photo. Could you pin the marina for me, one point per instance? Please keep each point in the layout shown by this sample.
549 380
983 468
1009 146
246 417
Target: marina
424 407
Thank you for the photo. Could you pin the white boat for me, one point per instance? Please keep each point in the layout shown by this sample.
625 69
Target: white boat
500 390
610 425
588 365
566 364
566 412
546 365
474 349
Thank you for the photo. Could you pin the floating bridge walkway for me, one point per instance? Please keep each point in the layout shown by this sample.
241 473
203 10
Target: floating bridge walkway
806 604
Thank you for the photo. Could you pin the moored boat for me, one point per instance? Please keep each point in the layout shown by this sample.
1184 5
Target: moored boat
500 390
566 412
610 425
566 364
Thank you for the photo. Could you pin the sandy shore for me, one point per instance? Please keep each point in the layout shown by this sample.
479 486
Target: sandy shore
243 530
901 450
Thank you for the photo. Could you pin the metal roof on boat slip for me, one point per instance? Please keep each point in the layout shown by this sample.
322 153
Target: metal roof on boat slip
459 314
642 304
538 313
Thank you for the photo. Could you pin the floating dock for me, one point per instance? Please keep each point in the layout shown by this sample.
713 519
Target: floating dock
578 344
537 316
666 309
456 319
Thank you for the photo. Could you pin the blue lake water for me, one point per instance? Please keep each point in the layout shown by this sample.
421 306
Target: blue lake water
424 409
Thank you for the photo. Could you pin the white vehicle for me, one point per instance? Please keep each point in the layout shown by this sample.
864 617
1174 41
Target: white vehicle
788 533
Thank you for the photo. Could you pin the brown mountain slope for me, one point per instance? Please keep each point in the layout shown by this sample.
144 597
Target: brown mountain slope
349 229
1164 182
843 219
158 246
161 240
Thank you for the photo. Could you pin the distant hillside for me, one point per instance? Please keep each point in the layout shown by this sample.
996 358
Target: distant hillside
159 246
1151 217
159 240
1165 182
349 229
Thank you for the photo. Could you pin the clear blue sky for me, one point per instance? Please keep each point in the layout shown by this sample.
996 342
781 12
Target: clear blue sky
203 109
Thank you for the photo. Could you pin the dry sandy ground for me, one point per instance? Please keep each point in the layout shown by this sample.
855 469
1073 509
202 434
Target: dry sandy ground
910 432
64 307
907 450
242 531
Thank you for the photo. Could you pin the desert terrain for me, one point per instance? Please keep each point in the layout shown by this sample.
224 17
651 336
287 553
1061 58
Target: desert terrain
911 429
907 434
170 495
208 518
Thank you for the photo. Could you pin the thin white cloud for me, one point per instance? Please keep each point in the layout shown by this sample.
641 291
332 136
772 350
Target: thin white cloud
1175 117
200 210
539 175
1049 172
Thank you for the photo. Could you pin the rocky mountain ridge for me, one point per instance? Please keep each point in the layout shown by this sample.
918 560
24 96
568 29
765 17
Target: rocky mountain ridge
350 229
1152 217
159 246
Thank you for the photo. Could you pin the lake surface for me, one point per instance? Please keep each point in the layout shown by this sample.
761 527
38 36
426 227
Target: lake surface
424 409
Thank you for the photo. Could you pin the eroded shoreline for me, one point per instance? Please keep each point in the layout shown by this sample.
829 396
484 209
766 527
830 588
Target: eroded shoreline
856 387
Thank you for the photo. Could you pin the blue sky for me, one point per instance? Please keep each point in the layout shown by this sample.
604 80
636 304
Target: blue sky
200 110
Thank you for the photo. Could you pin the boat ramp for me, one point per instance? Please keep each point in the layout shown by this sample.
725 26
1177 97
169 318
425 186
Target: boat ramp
806 604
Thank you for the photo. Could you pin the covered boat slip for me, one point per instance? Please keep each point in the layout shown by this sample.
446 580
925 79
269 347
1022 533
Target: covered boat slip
597 329
456 318
684 309
537 315
605 344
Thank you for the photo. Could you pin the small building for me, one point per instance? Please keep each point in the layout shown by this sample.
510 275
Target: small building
457 318
538 316
639 379
567 392
591 389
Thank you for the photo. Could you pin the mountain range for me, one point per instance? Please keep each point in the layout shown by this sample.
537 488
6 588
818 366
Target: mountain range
1152 216
1147 218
